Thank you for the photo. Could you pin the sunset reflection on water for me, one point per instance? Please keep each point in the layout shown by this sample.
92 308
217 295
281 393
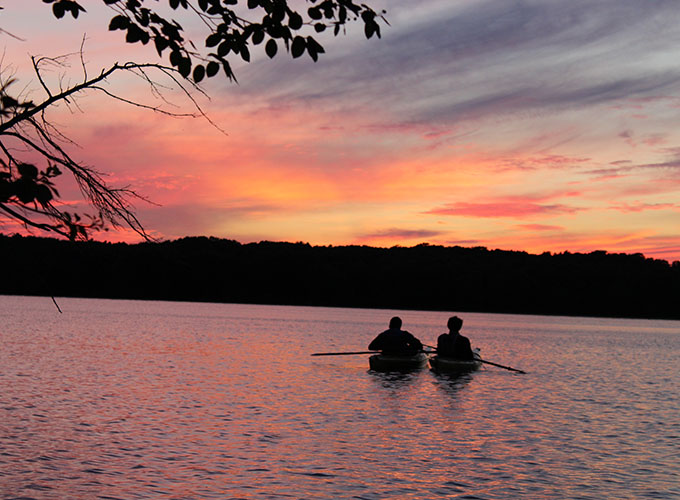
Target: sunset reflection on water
121 399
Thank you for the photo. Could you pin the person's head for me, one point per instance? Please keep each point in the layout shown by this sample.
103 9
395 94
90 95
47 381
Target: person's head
454 323
395 322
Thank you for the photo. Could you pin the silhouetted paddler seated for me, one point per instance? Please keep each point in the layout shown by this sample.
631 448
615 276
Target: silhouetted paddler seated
396 341
453 344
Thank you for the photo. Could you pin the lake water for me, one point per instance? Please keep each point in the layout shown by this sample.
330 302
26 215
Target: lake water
126 400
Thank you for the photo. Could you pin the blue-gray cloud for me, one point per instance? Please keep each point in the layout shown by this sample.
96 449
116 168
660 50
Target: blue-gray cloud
444 61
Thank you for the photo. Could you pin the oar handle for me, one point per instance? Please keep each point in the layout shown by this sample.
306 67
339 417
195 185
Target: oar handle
353 352
343 353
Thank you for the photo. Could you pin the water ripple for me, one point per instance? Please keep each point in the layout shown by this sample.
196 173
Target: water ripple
134 400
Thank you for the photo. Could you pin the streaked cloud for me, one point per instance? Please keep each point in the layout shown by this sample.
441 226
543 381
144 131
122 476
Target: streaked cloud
398 234
641 207
514 208
488 58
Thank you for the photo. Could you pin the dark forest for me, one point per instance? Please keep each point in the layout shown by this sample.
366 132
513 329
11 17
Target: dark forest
424 277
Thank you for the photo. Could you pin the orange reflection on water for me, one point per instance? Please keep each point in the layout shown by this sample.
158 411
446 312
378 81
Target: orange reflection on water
127 399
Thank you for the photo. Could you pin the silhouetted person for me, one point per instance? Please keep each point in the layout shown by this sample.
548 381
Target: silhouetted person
453 344
395 340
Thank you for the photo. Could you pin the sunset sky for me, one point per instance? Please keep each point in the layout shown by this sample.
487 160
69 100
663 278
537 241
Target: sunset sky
537 125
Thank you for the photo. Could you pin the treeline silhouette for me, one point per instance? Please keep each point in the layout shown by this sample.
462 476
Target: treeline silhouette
424 277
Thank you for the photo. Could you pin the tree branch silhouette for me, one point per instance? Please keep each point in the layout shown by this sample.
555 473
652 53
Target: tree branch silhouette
28 195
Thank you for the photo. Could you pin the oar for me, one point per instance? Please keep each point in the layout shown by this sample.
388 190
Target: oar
354 352
501 366
490 363
343 353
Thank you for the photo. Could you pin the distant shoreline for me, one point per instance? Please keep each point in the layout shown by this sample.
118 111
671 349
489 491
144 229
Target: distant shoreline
422 278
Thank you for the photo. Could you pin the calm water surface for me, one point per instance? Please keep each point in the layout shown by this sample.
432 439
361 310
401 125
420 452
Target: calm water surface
130 400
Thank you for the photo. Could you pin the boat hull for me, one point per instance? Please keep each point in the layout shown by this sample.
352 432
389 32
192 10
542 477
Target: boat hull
388 363
450 365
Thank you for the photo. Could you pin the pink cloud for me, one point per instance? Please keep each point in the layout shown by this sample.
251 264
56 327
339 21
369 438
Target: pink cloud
671 253
619 171
650 140
539 162
654 140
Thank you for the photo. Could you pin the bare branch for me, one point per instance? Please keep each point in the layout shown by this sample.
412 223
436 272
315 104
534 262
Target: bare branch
170 73
40 78
62 96
26 193
12 35
111 203
155 109
82 58
29 222
28 124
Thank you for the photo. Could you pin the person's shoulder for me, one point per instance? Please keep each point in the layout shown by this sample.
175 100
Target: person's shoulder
381 335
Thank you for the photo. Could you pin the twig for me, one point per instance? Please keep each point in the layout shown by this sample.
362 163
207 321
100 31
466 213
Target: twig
55 303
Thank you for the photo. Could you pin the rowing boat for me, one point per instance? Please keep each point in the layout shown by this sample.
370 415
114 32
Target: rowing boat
451 365
391 362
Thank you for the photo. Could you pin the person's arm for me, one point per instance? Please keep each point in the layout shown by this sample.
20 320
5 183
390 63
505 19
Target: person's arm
440 344
467 348
377 344
415 344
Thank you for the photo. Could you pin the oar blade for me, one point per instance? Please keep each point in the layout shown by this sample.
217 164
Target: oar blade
502 366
